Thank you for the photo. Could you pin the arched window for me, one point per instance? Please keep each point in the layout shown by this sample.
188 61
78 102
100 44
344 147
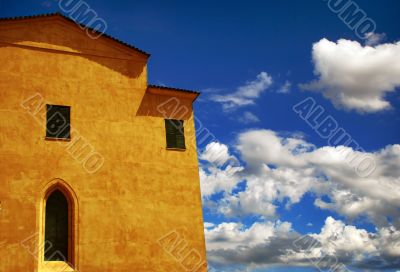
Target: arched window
57 227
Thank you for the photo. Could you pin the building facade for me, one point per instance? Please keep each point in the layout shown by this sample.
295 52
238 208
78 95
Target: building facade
99 170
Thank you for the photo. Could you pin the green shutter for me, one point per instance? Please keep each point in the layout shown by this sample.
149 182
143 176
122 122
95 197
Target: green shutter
170 133
175 134
180 135
58 122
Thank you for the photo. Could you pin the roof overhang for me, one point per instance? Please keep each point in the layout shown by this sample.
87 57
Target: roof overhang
173 92
167 103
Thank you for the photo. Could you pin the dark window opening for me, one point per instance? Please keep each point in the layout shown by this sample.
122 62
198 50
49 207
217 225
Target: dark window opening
56 228
175 134
58 122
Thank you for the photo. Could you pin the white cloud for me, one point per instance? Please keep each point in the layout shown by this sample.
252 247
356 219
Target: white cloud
233 235
285 88
260 147
356 77
346 244
351 195
276 243
336 237
216 178
208 225
216 153
374 38
248 118
282 169
219 180
245 95
265 188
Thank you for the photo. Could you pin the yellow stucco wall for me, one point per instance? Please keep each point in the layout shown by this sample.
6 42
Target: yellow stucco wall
142 192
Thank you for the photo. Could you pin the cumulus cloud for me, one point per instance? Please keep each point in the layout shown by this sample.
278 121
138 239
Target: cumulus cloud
356 77
214 180
216 153
281 169
232 243
233 235
244 95
339 244
219 172
259 147
248 118
275 243
266 188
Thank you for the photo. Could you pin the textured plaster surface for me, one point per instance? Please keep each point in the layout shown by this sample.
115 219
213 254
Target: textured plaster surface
141 193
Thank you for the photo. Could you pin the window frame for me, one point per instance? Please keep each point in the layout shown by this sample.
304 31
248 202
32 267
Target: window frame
181 129
73 246
57 137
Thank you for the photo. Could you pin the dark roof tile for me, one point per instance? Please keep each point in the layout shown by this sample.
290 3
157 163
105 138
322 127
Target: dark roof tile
172 89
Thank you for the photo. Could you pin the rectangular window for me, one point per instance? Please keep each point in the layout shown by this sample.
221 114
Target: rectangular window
175 134
58 122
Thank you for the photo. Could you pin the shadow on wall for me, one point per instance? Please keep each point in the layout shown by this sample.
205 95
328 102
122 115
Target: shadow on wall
57 34
169 107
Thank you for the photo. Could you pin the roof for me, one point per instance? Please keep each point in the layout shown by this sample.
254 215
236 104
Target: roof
173 89
58 14
83 25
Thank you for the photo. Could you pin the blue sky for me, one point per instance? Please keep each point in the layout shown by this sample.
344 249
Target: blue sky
253 61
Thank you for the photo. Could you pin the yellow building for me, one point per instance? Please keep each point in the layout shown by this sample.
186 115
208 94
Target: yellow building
99 170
